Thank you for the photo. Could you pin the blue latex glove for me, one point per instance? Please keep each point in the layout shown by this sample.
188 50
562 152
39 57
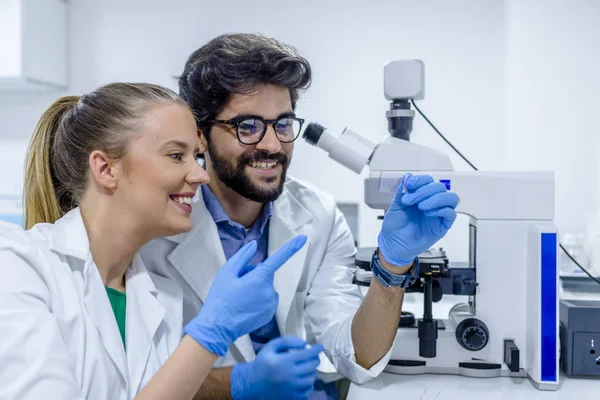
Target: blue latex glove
283 369
416 220
241 299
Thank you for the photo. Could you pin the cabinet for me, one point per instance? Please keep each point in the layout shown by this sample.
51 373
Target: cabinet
33 46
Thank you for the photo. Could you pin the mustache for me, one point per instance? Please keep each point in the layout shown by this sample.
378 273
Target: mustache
260 156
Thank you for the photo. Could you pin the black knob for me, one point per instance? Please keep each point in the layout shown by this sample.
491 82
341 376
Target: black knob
406 319
472 334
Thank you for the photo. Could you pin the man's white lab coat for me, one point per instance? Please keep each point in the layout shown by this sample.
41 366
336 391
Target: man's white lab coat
317 299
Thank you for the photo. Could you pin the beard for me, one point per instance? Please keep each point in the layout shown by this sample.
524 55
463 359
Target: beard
236 178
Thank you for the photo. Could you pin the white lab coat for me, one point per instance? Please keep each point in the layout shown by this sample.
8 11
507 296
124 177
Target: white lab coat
317 299
58 334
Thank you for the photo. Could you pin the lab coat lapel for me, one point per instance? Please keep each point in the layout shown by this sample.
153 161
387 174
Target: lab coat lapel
70 238
101 313
199 256
144 315
287 221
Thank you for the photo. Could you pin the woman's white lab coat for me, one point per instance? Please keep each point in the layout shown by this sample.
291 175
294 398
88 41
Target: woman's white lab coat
58 335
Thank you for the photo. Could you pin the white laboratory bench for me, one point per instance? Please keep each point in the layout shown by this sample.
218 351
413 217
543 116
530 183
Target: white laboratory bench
450 387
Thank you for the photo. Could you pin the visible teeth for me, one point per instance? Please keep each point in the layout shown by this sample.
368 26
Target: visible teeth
182 200
263 164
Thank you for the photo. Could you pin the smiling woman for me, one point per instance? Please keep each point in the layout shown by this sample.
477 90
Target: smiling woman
105 174
90 136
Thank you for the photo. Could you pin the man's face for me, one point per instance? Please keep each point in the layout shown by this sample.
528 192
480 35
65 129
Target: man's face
256 172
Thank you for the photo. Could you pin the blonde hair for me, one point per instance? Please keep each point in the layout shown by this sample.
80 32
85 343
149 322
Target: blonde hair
56 166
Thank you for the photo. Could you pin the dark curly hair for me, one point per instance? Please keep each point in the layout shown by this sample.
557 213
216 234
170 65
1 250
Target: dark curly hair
239 64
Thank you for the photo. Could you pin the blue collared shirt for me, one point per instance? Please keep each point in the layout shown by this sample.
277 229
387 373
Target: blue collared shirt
233 237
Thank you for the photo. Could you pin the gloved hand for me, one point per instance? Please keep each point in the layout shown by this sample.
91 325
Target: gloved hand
416 220
283 369
241 299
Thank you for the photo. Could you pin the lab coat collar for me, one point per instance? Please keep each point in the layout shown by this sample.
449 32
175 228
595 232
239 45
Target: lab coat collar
290 212
99 310
144 312
289 217
69 236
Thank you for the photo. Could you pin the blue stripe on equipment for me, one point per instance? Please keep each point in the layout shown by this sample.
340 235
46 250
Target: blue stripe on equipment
548 300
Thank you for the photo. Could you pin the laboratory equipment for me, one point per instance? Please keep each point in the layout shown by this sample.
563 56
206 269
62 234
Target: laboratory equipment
508 322
580 337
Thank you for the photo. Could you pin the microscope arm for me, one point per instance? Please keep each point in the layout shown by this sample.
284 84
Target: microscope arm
394 154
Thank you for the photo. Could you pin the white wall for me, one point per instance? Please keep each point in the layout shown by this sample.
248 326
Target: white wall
552 102
10 27
12 156
462 43
503 78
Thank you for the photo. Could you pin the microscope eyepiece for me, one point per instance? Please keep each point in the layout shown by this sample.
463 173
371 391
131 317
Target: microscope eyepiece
349 148
313 133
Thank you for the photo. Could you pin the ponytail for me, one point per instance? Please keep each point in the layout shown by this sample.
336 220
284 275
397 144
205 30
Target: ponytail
57 166
44 199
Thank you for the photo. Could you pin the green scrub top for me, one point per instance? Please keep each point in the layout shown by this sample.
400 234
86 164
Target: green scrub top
118 301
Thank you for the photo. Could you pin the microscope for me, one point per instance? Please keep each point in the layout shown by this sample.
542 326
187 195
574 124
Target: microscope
508 324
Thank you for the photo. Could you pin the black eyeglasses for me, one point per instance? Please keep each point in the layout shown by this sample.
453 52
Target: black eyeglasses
251 130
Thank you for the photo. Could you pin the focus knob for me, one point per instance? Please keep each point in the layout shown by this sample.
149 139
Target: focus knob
472 334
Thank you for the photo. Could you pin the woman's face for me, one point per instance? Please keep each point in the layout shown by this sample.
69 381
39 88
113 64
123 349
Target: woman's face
161 172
